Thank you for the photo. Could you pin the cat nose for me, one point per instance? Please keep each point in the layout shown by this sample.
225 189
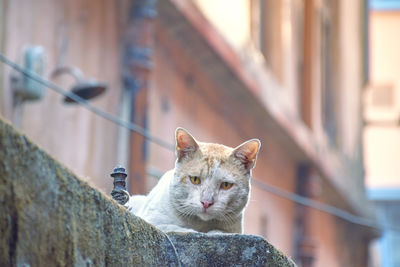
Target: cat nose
206 204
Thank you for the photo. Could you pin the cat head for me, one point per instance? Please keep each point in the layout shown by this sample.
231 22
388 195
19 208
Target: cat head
212 181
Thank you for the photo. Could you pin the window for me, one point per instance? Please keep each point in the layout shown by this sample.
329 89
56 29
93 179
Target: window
266 32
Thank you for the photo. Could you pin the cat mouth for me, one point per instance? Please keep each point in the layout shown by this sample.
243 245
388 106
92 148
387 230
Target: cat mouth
205 215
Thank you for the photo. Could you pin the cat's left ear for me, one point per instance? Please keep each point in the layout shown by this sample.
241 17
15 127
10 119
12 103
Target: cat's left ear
186 145
247 153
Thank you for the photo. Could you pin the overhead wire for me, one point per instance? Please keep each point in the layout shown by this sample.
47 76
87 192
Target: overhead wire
108 116
329 209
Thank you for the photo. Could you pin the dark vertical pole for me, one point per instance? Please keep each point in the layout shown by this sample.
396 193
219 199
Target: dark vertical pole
304 244
137 66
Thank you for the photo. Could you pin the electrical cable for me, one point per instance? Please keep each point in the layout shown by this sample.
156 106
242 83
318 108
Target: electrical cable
329 209
174 248
337 212
129 125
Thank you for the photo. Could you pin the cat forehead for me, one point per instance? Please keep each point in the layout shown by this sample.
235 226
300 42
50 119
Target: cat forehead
210 150
216 160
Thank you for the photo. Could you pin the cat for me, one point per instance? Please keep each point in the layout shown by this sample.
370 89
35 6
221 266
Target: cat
207 190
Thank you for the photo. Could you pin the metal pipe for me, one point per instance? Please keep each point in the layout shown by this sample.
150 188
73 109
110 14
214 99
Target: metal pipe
137 66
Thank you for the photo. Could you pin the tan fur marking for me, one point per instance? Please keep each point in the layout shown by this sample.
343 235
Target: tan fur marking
183 180
210 164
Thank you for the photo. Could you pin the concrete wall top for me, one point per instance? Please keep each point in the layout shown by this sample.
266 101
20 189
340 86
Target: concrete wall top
51 218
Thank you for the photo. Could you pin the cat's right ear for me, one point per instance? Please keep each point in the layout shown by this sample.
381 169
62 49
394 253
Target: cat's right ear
186 145
247 153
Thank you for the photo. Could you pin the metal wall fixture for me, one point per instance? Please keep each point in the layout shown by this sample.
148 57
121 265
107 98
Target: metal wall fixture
84 87
22 86
119 192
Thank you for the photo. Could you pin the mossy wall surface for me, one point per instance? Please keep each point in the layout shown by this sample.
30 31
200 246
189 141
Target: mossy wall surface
49 217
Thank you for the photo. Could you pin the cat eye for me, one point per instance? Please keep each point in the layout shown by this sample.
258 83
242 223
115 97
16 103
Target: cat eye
194 179
226 185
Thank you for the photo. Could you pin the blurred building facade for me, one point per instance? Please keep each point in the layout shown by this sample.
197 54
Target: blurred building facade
382 116
290 73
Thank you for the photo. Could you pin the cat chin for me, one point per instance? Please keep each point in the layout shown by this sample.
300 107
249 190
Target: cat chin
205 216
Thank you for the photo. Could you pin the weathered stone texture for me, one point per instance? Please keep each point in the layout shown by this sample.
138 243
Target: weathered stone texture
51 218
227 250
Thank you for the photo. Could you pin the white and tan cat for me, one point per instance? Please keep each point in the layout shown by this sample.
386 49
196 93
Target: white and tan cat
207 190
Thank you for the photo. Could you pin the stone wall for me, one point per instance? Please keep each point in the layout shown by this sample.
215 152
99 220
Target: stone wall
49 217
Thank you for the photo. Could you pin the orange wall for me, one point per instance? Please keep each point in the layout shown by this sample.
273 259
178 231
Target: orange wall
324 231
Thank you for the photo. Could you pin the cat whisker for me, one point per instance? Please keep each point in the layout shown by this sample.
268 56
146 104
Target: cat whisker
185 210
228 218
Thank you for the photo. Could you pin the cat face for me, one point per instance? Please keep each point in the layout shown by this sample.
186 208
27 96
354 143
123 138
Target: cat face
211 181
